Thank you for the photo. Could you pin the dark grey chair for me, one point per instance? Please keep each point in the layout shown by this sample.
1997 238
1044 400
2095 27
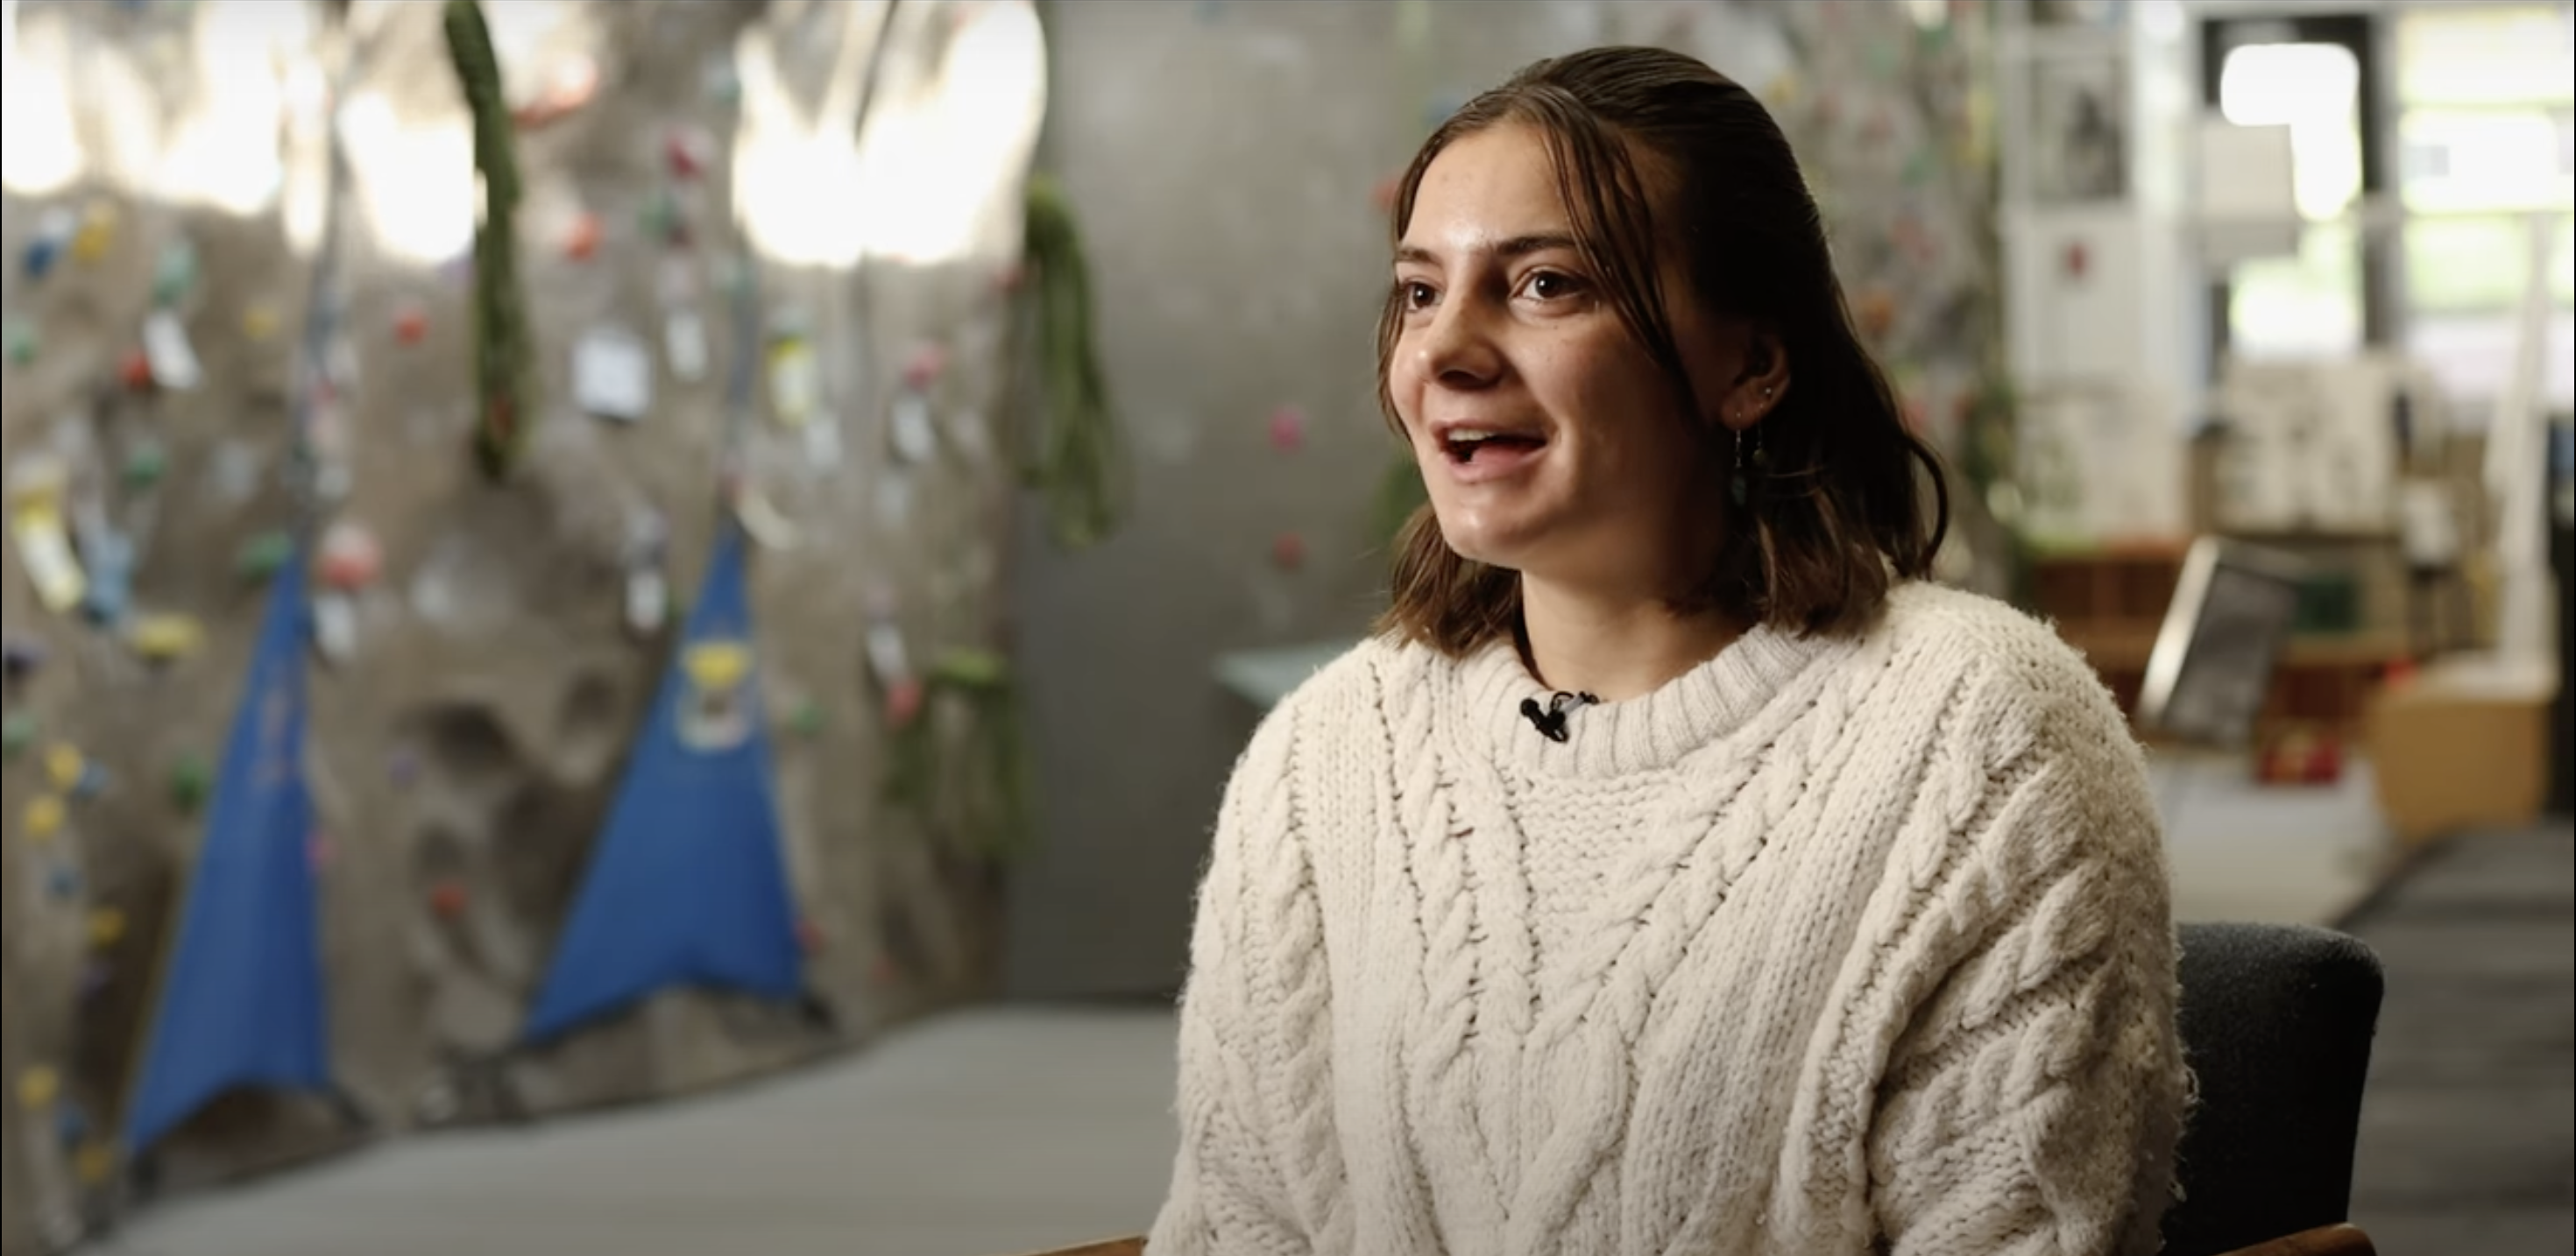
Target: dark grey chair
2277 1021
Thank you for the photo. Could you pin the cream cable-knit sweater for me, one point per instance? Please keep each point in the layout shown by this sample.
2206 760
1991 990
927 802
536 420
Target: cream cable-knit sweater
1827 946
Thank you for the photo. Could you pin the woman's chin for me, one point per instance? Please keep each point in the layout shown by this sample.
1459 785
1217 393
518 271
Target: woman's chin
1494 547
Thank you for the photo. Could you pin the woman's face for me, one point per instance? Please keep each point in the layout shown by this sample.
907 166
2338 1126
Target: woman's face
1550 440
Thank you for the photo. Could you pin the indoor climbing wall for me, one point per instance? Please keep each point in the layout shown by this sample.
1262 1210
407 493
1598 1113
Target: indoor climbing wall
767 261
1233 158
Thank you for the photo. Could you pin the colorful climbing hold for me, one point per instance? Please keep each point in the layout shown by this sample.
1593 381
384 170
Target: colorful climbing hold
21 657
106 926
351 558
174 276
145 466
259 322
134 370
927 363
18 731
411 325
38 1086
97 232
189 783
808 719
582 241
719 81
43 817
685 150
261 556
21 337
1287 429
64 765
63 881
42 252
94 1162
165 638
1288 551
903 702
660 217
447 899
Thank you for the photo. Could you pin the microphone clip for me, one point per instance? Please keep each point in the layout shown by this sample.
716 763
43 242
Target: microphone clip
1549 720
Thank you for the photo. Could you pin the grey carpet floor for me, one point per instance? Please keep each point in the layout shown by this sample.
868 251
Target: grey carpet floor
1010 1129
2468 1126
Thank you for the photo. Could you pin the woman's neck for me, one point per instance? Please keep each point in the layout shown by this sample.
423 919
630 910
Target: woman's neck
1614 647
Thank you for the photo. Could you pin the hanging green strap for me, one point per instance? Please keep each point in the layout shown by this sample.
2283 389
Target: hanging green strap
501 354
1074 457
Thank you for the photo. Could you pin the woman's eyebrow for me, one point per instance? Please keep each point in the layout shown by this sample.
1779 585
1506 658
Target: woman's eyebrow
1516 246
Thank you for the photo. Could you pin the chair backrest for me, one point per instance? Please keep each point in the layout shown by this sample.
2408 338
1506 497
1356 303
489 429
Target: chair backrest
2277 1022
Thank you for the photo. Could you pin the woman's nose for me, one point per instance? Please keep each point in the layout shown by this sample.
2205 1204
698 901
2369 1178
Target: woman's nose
1457 348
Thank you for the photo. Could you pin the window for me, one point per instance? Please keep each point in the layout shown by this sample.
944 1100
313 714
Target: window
2311 75
2484 96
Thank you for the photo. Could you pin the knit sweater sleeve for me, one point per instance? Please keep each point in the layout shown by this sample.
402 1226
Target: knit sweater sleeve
1230 1189
2033 1099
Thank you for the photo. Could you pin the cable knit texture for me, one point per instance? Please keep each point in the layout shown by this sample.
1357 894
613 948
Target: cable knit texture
1838 945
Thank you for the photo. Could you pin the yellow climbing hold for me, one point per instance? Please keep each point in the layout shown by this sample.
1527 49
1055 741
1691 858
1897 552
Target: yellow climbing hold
93 1162
64 765
162 638
97 232
716 666
38 1086
106 925
44 817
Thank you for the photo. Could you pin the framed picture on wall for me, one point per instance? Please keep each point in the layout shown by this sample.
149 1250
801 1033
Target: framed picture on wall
2079 126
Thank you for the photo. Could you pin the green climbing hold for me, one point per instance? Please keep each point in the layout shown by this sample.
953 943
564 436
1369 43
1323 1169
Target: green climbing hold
660 216
808 719
176 274
190 782
22 341
262 555
18 732
971 669
145 467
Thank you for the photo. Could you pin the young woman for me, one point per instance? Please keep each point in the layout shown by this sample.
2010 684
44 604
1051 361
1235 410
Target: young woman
1677 872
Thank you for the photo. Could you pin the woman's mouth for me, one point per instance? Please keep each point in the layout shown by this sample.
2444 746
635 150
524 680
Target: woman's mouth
1465 445
1478 455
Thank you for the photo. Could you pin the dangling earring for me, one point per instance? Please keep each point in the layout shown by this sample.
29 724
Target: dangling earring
1740 487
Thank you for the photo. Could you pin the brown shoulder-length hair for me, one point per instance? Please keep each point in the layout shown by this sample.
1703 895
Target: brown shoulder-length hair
1835 511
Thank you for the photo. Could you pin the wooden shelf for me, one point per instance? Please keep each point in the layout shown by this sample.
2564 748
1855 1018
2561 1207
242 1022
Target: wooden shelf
2127 647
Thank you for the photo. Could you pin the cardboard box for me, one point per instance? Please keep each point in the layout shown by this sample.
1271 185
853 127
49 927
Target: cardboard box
2464 744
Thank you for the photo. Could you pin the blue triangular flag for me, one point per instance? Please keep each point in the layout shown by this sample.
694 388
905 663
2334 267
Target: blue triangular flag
688 884
241 998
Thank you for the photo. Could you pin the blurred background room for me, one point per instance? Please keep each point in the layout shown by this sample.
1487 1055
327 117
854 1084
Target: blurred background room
624 620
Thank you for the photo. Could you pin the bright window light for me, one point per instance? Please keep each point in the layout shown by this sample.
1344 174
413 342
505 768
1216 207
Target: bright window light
2313 89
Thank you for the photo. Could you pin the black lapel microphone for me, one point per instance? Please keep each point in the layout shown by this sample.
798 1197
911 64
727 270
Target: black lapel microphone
1549 720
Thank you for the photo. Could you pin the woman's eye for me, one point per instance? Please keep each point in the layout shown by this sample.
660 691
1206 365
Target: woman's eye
1416 295
1548 285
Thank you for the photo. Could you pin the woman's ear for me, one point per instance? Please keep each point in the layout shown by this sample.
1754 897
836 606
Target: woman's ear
1760 386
